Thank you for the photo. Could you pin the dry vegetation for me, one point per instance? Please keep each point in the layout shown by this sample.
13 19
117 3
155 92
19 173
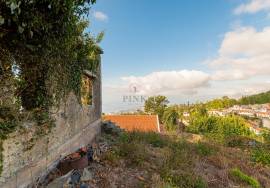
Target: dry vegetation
168 161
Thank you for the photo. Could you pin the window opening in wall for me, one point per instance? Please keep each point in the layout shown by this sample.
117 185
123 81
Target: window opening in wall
87 90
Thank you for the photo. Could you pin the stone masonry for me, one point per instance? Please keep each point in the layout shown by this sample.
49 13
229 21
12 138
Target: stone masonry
75 127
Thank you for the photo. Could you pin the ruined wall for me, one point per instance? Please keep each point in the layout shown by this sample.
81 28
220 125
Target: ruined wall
27 156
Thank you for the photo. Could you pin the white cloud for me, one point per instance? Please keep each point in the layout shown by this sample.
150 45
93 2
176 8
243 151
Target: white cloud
253 6
100 16
185 81
244 53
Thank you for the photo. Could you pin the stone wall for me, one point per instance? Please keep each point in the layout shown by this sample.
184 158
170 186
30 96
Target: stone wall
27 156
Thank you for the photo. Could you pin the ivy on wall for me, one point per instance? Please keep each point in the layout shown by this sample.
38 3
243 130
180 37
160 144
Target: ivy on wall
43 51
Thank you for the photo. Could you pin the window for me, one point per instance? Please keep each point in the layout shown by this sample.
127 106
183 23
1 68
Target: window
87 90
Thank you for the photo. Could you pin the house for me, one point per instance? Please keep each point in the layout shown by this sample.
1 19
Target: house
256 130
246 112
263 114
216 113
145 123
253 127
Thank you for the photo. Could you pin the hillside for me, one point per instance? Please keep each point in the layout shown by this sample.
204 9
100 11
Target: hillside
260 98
226 102
180 160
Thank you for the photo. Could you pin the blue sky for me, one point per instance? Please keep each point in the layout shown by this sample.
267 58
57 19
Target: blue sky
145 37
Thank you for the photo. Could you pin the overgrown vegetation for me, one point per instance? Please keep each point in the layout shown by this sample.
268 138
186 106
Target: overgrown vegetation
239 175
156 105
260 98
174 161
170 119
219 127
261 155
226 102
174 156
43 51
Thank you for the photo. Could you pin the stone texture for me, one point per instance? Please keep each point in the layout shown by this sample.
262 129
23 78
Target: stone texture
25 160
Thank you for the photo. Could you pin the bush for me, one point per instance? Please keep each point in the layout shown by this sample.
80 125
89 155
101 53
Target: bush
186 181
170 119
266 136
152 138
238 174
240 141
222 127
112 157
261 155
204 149
134 152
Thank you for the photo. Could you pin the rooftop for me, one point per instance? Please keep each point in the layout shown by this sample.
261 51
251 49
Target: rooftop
146 123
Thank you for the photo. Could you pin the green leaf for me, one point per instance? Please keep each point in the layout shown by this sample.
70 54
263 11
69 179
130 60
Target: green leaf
100 37
2 20
20 29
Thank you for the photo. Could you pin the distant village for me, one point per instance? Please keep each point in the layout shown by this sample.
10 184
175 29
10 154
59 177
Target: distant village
258 115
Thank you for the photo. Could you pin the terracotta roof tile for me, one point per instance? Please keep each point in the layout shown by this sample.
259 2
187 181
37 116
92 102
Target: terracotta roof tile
144 123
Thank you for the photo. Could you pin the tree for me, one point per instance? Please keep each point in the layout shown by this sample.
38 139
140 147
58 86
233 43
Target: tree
170 118
260 98
224 102
156 105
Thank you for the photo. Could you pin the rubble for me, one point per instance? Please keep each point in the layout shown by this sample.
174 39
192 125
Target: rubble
72 171
80 169
109 127
86 175
59 182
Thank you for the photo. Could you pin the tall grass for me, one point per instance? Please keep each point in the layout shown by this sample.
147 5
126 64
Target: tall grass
239 175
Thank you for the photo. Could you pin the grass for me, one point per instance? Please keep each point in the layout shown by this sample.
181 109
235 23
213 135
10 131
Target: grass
134 152
172 164
183 164
204 149
151 138
239 175
261 155
186 180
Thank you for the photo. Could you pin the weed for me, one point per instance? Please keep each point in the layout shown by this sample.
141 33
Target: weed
240 141
134 152
152 138
112 157
186 181
238 174
261 155
204 149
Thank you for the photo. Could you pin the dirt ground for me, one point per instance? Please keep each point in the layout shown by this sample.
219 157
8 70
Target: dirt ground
108 169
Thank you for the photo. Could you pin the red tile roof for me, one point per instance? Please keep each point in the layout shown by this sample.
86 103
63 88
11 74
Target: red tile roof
145 123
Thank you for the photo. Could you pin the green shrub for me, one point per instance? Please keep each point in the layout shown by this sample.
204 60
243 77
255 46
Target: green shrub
186 181
152 138
112 157
261 155
266 136
240 141
221 127
204 149
6 128
134 152
238 174
156 140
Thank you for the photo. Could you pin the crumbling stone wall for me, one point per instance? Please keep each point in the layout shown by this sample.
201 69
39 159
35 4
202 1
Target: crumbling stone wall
27 156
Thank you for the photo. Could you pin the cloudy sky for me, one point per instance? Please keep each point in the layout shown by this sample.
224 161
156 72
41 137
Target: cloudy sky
188 50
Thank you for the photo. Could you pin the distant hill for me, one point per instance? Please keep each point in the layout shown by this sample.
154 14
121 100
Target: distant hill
260 98
226 102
